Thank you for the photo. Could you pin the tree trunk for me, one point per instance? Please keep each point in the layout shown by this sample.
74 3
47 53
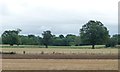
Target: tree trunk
46 46
93 46
11 44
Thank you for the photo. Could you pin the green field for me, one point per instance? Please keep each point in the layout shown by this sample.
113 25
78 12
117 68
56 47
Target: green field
59 50
63 47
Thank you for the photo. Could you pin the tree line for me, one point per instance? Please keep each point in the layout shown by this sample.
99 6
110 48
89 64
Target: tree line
92 33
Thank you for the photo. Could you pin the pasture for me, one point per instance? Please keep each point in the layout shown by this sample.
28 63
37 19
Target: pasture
61 50
62 47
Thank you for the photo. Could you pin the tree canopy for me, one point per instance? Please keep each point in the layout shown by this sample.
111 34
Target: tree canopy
11 37
94 32
47 36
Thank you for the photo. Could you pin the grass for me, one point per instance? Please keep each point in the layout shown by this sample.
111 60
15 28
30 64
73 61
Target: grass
60 50
36 49
62 47
21 46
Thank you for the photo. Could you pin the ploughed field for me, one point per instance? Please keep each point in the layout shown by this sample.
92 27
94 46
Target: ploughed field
59 64
59 59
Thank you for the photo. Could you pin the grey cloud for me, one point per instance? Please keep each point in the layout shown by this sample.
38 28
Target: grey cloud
35 19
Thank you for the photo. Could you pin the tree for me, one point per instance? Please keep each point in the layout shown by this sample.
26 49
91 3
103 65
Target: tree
24 40
112 42
30 40
47 38
71 39
61 36
11 37
33 40
117 38
0 40
77 41
59 41
94 32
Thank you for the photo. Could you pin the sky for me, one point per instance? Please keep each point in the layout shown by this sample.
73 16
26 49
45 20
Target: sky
58 16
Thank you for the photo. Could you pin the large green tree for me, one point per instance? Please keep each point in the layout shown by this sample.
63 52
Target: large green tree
11 37
47 38
94 32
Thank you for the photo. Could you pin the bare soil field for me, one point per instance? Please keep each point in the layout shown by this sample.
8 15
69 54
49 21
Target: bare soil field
60 60
59 56
60 71
59 64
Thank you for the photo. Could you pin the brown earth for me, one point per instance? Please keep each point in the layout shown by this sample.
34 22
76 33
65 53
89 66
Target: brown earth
60 71
95 61
59 64
60 56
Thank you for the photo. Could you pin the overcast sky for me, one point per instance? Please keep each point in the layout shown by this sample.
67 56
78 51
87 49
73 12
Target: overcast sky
59 16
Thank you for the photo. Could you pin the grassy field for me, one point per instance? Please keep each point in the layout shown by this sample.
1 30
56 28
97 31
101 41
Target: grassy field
60 50
39 46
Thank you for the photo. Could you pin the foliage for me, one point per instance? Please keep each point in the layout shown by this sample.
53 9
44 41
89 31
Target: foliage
94 32
61 36
68 40
113 41
77 41
58 41
71 39
30 40
11 37
117 38
0 40
47 38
